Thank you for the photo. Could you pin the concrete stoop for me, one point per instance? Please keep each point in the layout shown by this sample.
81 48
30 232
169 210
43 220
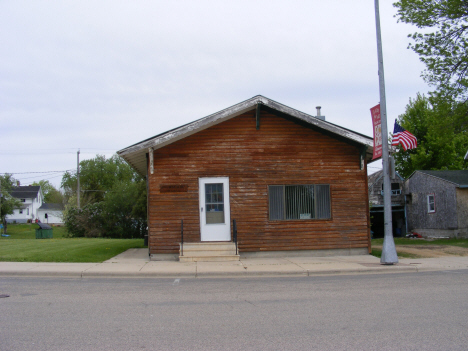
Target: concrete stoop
208 252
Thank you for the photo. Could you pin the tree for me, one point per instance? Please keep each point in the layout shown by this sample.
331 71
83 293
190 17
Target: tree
114 200
97 176
7 202
86 221
444 50
122 214
51 194
125 210
441 132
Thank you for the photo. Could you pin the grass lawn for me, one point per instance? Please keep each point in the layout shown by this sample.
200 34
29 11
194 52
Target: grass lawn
378 253
22 246
28 231
416 242
406 241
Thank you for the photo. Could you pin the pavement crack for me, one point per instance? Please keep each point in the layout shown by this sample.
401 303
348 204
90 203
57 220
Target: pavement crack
242 263
297 264
83 272
142 266
250 303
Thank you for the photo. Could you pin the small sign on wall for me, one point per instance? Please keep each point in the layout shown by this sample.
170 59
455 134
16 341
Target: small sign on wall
173 188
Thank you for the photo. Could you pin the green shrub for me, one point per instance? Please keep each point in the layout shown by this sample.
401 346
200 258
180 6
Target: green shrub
95 220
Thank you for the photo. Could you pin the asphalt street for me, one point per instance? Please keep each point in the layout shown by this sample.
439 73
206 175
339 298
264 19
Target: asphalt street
424 311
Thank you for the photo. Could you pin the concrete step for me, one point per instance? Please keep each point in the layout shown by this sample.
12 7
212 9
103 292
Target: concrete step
209 251
221 245
209 258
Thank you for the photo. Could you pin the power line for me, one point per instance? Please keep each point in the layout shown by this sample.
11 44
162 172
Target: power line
38 176
42 177
61 149
55 151
67 170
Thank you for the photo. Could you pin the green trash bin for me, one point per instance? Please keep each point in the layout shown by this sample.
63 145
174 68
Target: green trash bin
44 231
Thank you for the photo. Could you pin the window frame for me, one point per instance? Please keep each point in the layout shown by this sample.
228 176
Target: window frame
429 203
394 192
314 218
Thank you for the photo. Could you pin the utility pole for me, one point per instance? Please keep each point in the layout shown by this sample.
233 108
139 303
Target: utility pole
389 255
78 178
2 220
1 198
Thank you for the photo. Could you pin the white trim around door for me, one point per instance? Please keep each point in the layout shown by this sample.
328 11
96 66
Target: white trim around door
214 209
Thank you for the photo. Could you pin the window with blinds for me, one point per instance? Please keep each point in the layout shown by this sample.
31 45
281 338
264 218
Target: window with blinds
288 202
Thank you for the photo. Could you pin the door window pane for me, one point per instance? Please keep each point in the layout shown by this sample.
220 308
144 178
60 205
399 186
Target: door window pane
214 203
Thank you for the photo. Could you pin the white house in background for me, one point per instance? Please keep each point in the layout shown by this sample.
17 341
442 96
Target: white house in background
31 199
50 213
33 207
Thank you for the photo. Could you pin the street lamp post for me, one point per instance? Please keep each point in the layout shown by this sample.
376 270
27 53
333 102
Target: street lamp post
389 255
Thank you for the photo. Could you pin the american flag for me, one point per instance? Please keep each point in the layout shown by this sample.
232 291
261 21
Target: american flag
403 137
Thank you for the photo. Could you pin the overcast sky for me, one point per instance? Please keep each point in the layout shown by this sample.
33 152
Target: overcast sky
102 75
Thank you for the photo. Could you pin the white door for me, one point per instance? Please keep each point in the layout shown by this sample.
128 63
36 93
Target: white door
215 218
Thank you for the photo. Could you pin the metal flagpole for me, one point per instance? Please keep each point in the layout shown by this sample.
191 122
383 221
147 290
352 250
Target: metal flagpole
389 255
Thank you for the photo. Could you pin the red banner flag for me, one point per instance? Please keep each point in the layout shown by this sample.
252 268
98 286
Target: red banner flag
377 124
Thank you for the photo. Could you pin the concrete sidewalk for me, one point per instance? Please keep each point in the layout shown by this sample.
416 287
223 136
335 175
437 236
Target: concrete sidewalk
135 263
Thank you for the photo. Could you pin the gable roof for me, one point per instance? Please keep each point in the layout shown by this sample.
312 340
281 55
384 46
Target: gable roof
51 207
25 192
377 176
459 178
135 154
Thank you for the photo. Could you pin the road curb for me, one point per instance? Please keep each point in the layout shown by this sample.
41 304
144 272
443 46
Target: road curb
213 274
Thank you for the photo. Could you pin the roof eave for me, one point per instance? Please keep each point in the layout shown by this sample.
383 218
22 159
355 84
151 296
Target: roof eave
138 151
183 132
458 185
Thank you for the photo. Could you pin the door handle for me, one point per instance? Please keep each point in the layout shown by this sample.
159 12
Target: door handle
202 209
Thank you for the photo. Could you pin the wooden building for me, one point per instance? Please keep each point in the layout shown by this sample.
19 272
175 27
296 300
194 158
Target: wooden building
31 199
295 184
398 204
437 203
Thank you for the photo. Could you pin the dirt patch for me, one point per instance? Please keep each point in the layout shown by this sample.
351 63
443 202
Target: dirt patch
430 251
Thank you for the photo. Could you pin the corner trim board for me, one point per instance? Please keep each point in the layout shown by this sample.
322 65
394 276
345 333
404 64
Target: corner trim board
151 157
257 116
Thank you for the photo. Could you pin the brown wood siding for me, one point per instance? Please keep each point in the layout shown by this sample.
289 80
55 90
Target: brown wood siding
280 152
